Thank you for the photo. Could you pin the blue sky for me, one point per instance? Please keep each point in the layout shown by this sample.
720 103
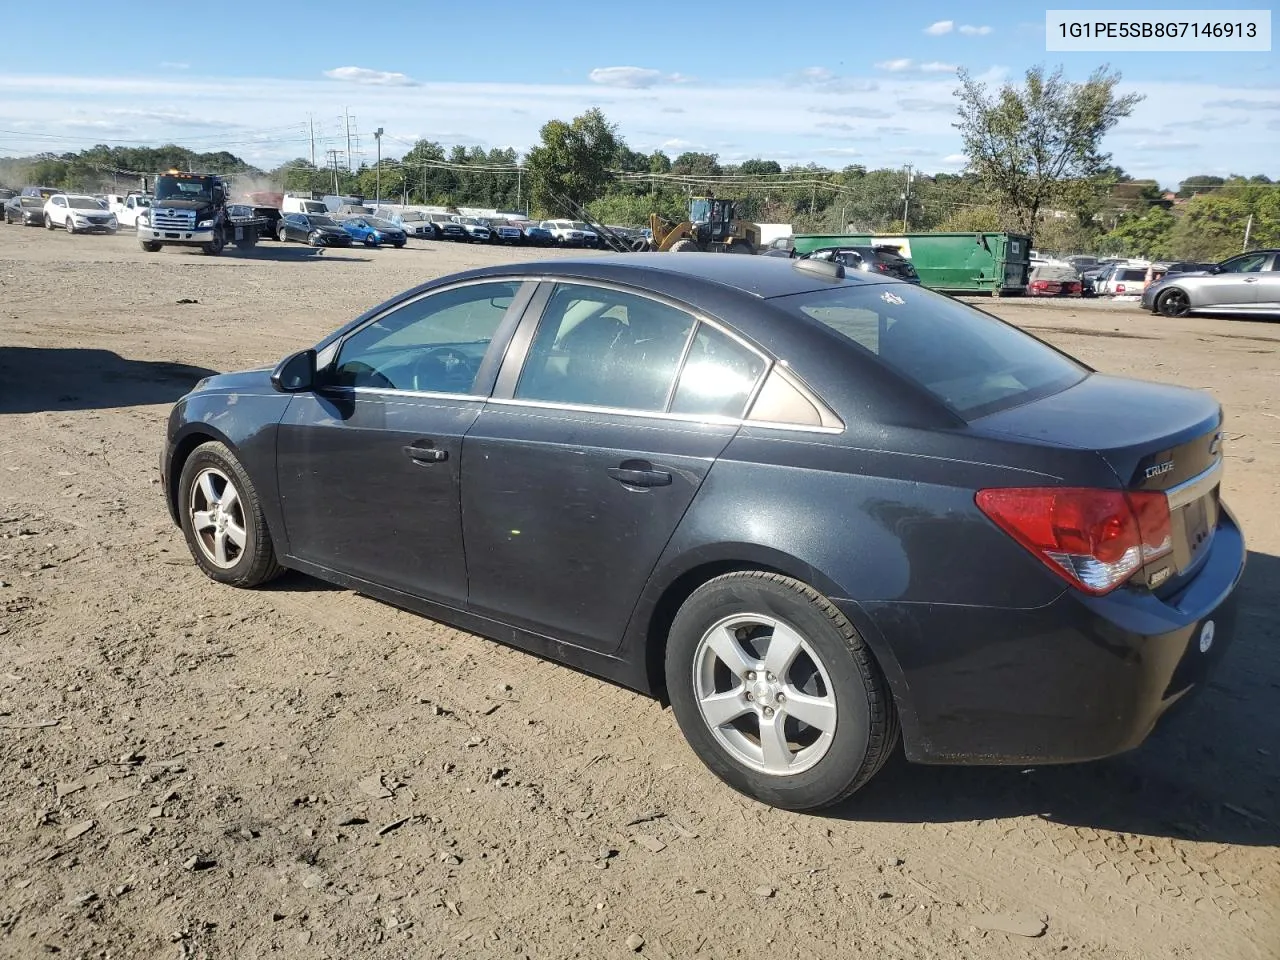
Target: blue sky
752 79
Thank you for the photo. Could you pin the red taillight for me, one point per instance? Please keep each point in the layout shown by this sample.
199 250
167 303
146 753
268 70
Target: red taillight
1039 284
883 268
1094 539
1119 288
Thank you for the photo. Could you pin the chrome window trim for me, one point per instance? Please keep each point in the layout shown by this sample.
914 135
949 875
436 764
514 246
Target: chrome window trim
696 418
1192 490
392 392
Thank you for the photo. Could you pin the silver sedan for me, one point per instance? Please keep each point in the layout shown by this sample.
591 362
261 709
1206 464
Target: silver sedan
1245 284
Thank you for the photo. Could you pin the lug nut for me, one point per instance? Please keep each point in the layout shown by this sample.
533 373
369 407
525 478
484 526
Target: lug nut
781 697
770 677
751 676
750 695
768 711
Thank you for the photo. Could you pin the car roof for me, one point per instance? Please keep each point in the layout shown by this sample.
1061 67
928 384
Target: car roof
670 273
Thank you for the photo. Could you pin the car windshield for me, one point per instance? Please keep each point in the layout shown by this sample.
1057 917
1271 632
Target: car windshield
971 361
380 223
579 225
412 216
169 189
323 221
33 203
84 203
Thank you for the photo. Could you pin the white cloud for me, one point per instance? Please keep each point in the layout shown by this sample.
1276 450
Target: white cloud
376 78
826 81
1154 146
1243 105
912 152
919 105
896 66
907 65
839 152
633 78
955 159
939 28
178 118
174 65
675 143
935 66
852 110
969 31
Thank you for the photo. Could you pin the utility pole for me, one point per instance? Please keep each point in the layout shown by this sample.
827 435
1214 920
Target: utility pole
1248 227
519 185
312 121
333 161
906 200
377 171
346 116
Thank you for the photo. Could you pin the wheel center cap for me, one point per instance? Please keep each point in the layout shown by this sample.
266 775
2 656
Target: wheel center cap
762 690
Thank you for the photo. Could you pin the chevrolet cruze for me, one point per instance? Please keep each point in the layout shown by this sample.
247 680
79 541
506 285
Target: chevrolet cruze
817 513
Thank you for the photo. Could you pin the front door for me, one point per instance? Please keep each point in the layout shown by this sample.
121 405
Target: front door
369 464
1237 284
1267 289
577 473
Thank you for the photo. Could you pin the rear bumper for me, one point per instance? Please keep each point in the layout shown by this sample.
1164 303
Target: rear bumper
1077 679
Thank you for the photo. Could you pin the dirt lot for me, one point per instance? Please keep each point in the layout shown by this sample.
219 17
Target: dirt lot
190 771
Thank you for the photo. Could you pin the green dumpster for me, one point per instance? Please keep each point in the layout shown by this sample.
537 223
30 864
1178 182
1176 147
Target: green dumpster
995 263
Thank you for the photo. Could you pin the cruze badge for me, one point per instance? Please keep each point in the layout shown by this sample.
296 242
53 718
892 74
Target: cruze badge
1159 468
893 298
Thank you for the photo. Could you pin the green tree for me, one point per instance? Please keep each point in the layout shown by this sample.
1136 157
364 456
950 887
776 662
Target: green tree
1143 235
1027 143
572 160
1201 183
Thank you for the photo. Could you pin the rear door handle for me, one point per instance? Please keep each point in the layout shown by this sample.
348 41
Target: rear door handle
425 452
634 474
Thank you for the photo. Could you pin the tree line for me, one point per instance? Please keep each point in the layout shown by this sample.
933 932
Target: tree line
1035 166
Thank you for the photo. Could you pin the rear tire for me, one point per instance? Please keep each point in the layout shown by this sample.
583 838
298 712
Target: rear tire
729 686
684 246
218 505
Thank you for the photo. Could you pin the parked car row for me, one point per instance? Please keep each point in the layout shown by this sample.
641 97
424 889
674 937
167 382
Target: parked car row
73 212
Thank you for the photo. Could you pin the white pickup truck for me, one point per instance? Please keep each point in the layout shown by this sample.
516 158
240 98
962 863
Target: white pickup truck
128 207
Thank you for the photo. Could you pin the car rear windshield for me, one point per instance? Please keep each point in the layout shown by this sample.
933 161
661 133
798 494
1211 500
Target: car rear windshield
1131 275
971 361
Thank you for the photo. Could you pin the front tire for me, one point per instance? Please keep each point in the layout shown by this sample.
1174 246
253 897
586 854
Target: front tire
222 519
48 222
149 246
1173 304
214 246
684 246
776 692
69 225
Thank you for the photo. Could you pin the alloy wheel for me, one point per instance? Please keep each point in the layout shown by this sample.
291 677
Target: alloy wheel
1175 304
217 518
764 694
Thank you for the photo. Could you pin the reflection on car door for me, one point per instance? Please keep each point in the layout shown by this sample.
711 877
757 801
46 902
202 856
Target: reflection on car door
575 475
368 465
1237 284
1267 289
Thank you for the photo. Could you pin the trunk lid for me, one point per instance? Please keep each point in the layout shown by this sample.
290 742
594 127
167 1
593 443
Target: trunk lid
1154 437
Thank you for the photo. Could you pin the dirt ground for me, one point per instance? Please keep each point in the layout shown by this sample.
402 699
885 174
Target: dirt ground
192 771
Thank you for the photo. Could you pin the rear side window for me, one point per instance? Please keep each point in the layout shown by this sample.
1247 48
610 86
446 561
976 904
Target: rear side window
972 362
718 376
1134 275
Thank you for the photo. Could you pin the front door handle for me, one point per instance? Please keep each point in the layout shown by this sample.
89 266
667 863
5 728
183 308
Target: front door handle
1250 279
634 473
425 452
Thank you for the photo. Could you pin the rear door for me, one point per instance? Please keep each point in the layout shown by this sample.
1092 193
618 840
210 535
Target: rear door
1268 287
599 433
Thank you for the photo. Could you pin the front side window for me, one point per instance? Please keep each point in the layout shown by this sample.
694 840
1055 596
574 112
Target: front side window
970 361
434 344
603 348
1249 263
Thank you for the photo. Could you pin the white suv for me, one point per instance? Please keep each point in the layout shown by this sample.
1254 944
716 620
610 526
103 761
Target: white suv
565 233
78 214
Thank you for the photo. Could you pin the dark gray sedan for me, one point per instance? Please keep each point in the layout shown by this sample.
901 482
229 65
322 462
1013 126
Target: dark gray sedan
817 513
28 211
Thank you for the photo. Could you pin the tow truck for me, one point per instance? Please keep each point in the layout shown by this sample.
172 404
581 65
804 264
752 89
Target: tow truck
190 209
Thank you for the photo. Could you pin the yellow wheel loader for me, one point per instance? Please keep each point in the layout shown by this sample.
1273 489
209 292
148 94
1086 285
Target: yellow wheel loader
711 228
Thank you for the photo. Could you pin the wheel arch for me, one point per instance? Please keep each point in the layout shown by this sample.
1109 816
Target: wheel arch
192 436
670 587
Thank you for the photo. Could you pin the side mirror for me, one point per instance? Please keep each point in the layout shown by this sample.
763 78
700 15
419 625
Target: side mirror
1216 268
295 373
